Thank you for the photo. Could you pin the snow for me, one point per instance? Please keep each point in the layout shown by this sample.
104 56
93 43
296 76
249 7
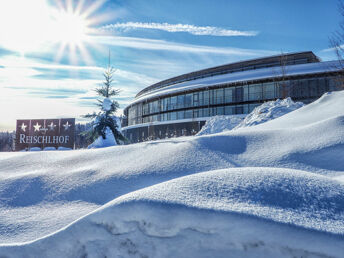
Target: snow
271 190
217 124
269 111
249 75
103 143
107 104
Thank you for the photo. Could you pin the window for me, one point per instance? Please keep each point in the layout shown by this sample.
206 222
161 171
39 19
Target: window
245 93
188 114
239 109
255 92
322 85
195 99
205 99
228 95
268 90
313 88
188 100
229 110
220 111
173 116
180 101
180 115
196 113
239 94
219 96
145 109
173 104
251 107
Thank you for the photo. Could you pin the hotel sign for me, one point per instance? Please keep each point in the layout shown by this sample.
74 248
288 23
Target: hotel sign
44 133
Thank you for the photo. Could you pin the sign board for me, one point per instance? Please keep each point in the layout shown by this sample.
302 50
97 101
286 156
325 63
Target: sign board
44 133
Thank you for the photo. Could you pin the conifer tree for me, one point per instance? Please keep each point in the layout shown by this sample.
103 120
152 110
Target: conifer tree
105 117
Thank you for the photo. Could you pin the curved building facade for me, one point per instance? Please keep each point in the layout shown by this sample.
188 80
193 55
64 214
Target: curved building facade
180 105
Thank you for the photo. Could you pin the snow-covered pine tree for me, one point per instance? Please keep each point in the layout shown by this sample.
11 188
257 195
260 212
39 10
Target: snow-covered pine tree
104 120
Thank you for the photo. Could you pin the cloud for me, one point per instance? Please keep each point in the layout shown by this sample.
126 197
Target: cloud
163 45
192 29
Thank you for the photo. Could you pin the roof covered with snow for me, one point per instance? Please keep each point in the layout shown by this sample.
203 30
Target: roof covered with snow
250 75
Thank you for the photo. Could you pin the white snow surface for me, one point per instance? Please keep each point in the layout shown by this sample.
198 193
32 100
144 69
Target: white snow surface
271 190
218 124
268 111
103 143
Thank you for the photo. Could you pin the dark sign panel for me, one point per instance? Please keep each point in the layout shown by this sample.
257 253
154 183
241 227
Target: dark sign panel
44 133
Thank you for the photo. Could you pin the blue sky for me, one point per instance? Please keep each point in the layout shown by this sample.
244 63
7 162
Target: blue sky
53 53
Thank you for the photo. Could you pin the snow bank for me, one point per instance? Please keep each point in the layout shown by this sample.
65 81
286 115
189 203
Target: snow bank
269 111
210 214
217 124
103 143
153 200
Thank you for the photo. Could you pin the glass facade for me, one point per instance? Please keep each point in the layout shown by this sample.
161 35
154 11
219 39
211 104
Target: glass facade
228 100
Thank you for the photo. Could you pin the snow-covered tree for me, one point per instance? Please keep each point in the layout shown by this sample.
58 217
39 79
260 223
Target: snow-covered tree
104 122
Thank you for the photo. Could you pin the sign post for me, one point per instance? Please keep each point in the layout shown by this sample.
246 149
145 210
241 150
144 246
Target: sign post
44 133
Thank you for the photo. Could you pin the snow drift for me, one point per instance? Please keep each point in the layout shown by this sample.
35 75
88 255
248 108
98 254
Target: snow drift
271 190
268 111
176 219
218 124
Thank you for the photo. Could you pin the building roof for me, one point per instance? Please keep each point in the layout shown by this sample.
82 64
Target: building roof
248 75
252 64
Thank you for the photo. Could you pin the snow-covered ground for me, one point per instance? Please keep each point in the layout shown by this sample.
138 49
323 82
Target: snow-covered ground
271 190
218 124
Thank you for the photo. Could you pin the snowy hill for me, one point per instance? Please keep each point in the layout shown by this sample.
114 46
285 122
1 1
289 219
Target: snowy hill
271 190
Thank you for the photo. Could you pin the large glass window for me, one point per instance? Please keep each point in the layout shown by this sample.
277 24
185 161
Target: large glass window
255 92
228 95
269 90
313 88
173 103
145 108
220 111
205 99
188 100
205 112
180 115
239 94
196 113
245 92
229 110
239 109
180 101
322 85
219 96
188 114
173 116
196 99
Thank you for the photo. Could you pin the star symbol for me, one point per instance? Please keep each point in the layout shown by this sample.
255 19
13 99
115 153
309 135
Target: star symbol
37 126
23 127
66 126
52 126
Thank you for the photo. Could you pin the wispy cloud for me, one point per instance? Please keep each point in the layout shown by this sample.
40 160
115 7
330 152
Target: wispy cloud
163 45
192 29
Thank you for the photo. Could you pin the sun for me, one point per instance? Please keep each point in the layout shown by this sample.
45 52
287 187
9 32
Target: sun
70 28
59 26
